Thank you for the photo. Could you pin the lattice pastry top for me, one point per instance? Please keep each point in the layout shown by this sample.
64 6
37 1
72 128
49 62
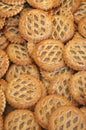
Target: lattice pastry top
23 91
44 4
67 118
72 4
14 2
9 10
4 63
63 28
83 109
15 70
46 106
48 54
18 54
21 120
81 12
75 54
35 25
60 85
11 30
77 87
82 27
3 85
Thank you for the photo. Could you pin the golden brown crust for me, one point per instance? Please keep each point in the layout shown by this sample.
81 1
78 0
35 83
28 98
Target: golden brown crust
82 27
23 92
48 54
3 85
2 102
20 119
35 25
67 117
2 22
11 30
9 10
4 63
63 28
15 70
74 54
80 13
77 87
1 123
18 54
44 4
83 109
14 2
3 40
72 4
46 106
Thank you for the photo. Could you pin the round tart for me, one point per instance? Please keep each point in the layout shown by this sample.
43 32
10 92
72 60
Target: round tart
21 120
2 22
63 28
2 102
35 25
18 54
77 87
60 85
48 54
71 4
14 2
75 54
81 12
44 4
9 10
67 118
11 30
15 70
82 27
23 91
4 63
46 106
1 123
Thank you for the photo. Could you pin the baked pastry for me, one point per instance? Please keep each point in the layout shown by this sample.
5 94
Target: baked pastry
9 10
23 91
2 22
60 85
11 30
82 27
3 40
83 109
77 87
80 13
1 123
4 63
72 4
14 2
2 102
18 54
44 4
3 85
20 119
48 54
15 70
67 118
63 28
74 54
46 106
35 25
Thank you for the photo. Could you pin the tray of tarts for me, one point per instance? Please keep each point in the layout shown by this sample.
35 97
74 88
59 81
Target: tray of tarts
42 64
